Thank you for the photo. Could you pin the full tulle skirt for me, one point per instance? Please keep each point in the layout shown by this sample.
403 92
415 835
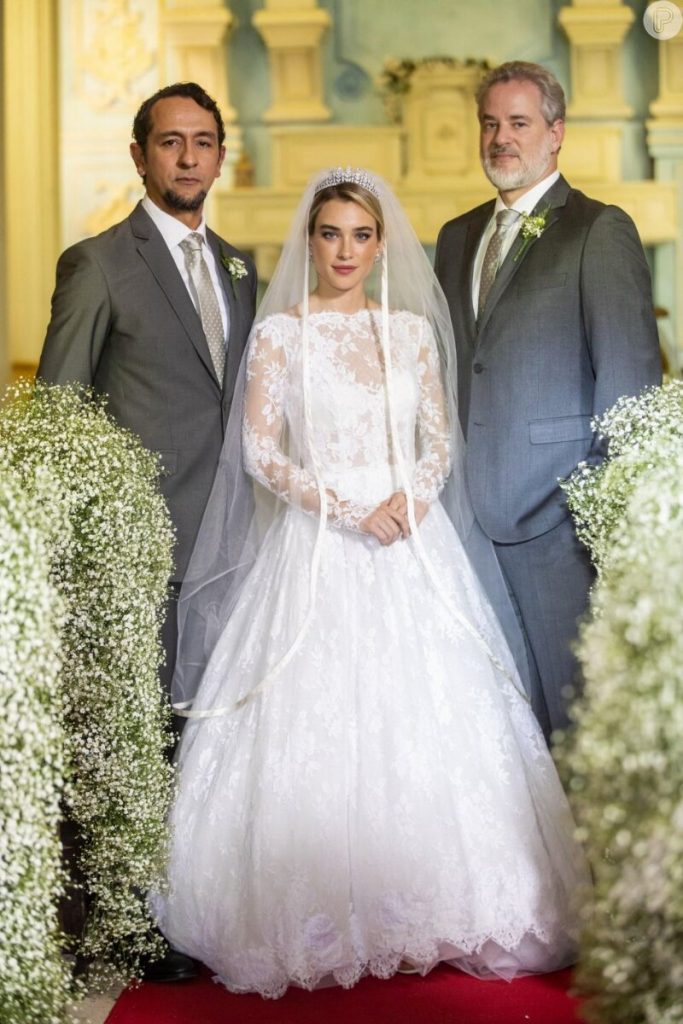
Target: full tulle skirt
387 796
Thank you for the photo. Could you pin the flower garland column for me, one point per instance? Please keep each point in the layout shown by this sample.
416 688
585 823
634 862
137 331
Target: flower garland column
665 143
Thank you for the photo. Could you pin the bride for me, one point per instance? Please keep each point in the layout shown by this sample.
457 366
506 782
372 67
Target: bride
362 784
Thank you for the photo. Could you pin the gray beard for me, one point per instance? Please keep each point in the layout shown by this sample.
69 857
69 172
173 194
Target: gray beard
522 177
177 202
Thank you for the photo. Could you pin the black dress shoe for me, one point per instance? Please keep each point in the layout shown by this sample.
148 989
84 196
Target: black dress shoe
173 966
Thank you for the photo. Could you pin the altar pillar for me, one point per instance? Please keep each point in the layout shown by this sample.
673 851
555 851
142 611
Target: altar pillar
29 175
596 32
292 31
194 43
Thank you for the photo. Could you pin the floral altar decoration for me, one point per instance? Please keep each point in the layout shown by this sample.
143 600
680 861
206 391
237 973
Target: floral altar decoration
97 727
624 761
34 979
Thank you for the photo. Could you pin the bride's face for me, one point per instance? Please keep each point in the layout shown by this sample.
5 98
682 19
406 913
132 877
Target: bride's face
344 245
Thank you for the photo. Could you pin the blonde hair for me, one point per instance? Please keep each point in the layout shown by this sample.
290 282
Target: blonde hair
347 192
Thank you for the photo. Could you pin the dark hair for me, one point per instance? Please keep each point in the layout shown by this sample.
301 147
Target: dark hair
347 192
552 93
142 124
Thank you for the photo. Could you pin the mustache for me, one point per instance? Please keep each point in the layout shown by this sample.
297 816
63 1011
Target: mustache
500 150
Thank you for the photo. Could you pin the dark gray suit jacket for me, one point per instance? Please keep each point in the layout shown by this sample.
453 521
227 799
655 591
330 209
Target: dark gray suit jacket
567 329
124 323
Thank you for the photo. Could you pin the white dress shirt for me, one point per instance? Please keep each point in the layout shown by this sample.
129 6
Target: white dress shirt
525 204
173 232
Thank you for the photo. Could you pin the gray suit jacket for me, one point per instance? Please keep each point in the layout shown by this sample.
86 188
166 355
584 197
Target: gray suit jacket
124 323
568 328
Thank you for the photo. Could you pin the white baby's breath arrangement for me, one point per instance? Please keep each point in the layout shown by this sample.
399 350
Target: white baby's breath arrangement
111 568
625 761
34 979
644 433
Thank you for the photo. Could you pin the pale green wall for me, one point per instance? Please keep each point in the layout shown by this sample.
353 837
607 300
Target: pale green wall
365 32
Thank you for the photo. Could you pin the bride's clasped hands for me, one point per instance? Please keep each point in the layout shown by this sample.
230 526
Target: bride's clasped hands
389 521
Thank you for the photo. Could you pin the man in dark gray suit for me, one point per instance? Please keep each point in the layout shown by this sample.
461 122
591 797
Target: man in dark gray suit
155 313
553 321
127 317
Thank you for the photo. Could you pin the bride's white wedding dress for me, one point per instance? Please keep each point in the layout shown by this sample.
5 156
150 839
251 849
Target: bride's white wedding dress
389 796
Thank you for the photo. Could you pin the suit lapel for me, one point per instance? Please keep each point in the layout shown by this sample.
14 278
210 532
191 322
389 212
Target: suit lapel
555 198
154 252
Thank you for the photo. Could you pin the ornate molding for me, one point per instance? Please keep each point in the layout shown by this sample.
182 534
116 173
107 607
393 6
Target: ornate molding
442 137
262 216
298 152
592 152
118 202
111 53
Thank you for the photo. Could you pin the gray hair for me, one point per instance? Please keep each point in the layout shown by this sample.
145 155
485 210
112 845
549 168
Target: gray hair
552 93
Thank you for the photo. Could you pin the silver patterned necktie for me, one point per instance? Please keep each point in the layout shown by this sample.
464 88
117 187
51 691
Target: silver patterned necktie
489 268
209 310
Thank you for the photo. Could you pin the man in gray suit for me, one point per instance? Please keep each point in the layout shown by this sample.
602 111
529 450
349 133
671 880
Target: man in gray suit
155 313
127 313
553 321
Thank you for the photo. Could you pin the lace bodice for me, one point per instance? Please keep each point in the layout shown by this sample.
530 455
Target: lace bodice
349 411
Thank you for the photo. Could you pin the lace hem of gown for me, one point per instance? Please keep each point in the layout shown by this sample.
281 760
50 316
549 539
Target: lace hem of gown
492 956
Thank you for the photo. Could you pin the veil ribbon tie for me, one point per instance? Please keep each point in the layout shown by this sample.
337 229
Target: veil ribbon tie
410 498
282 662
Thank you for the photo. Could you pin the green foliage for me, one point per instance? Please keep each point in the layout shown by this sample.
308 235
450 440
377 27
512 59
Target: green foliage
394 80
625 761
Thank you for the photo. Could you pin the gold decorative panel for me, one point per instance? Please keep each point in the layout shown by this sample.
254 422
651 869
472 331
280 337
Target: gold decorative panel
441 131
592 152
112 51
299 152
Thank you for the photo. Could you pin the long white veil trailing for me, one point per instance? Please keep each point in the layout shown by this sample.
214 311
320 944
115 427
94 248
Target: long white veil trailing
240 510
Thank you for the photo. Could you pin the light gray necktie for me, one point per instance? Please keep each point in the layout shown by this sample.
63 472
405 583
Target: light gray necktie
209 310
489 268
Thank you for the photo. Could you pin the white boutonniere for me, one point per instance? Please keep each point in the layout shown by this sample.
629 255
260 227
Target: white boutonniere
235 267
532 227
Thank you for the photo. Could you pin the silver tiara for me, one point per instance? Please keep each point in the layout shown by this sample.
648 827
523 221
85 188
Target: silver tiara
342 176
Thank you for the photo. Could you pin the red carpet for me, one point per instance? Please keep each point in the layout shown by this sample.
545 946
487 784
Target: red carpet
444 997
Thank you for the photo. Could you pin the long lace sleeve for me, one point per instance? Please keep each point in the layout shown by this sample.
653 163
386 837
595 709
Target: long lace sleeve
263 429
434 447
